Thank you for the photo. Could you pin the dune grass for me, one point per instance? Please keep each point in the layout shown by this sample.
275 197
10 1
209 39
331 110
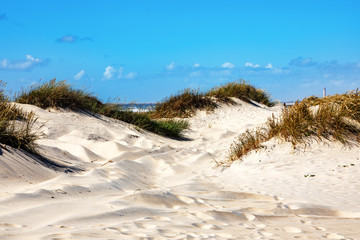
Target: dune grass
183 105
60 94
168 128
241 90
16 126
187 102
335 118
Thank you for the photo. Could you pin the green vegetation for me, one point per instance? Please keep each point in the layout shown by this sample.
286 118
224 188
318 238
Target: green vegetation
334 117
187 102
16 126
168 128
182 105
240 90
59 94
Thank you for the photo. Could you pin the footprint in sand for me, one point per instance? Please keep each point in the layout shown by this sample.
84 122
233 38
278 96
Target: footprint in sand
186 199
10 225
224 235
306 222
292 230
202 216
249 217
334 236
112 229
265 234
149 226
206 226
260 225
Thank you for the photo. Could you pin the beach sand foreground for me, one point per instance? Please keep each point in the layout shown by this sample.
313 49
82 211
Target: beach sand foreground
111 181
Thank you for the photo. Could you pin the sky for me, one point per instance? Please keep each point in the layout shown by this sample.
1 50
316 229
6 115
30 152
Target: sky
144 51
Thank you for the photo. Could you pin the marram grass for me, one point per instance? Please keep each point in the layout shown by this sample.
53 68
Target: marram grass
336 118
241 90
60 94
187 102
183 105
16 126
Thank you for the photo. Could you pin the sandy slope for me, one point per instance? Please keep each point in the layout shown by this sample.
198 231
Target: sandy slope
114 182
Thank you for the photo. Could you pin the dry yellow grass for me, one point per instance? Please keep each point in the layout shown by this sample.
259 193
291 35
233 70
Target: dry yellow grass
335 118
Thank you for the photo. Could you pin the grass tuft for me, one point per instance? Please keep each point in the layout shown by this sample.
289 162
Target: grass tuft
58 94
16 126
334 118
241 90
247 142
183 105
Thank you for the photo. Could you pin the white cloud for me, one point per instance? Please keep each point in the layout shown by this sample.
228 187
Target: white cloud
171 66
23 65
196 65
131 75
79 75
32 59
113 72
109 70
250 64
228 65
269 66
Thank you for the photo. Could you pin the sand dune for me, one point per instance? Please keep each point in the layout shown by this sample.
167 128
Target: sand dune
107 180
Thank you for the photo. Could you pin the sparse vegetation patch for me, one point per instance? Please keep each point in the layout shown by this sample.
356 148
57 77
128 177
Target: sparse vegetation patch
334 117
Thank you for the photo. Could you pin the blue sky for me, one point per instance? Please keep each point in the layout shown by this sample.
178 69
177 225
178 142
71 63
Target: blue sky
146 50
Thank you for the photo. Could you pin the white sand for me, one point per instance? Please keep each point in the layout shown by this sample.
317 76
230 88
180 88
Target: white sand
137 185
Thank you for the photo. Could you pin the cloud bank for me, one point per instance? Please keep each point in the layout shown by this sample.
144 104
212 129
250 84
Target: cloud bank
22 65
301 77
